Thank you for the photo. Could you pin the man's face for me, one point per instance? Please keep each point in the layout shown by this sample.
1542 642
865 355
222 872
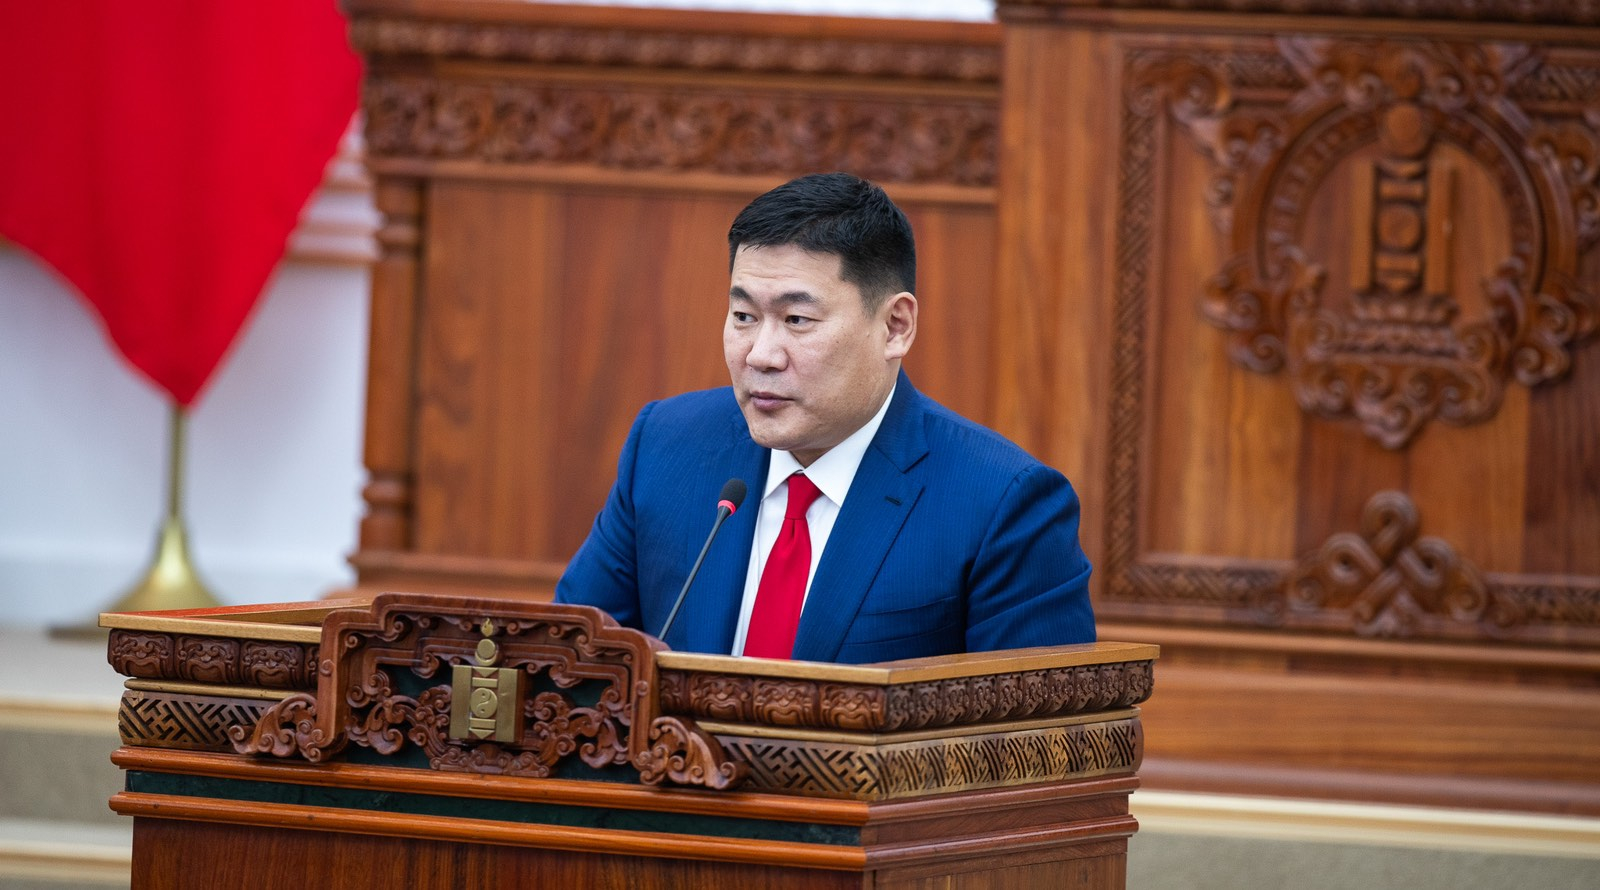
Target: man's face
809 364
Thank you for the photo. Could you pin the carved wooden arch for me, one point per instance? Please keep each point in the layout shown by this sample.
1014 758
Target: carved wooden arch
1393 347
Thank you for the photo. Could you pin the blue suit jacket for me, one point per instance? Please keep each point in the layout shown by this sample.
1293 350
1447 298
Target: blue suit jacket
951 539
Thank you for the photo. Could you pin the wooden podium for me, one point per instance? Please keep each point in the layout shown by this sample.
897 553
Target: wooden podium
430 741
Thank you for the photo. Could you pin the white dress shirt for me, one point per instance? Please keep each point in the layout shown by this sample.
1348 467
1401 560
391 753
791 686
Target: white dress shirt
832 473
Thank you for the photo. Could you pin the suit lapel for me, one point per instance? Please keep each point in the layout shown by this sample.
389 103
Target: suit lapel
711 610
881 496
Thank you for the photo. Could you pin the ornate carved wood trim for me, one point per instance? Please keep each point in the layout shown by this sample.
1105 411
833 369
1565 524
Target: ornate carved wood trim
1388 581
510 688
1393 347
581 684
897 770
179 720
269 664
965 701
739 131
748 52
1550 12
580 89
1168 87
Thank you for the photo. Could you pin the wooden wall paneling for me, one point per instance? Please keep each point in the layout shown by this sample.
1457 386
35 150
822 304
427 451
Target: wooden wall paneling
955 280
645 291
1341 466
487 368
1055 243
391 356
1469 484
1316 724
1307 211
1223 443
1465 480
1014 872
694 269
1342 469
1562 506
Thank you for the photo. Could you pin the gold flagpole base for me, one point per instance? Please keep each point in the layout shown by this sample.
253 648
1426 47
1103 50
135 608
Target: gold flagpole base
171 581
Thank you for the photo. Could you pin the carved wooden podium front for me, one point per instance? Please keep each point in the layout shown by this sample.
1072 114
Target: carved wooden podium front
434 741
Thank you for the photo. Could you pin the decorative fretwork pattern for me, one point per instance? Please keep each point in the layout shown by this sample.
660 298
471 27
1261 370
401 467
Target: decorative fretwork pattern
1023 695
634 127
192 722
909 769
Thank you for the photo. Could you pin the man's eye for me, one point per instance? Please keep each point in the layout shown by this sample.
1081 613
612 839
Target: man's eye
797 319
742 317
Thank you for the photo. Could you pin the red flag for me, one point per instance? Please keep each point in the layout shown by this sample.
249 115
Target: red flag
157 155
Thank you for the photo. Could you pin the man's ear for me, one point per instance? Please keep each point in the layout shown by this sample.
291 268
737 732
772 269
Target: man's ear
900 317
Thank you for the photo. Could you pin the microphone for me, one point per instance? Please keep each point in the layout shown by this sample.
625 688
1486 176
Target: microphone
727 502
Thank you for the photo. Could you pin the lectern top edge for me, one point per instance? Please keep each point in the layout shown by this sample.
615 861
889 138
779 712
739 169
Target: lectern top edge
301 622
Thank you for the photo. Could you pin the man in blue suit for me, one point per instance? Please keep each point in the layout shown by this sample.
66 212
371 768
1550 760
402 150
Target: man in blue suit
881 525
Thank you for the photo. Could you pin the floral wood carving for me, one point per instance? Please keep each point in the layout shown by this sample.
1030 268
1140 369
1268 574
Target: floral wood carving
681 753
740 132
592 683
1397 345
1387 579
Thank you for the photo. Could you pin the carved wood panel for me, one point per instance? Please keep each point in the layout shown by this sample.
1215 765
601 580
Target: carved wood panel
731 131
1394 344
576 684
1404 233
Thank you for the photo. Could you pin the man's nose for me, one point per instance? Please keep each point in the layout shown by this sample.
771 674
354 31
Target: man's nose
767 352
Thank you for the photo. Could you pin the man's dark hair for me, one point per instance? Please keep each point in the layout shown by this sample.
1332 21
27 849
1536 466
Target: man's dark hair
839 214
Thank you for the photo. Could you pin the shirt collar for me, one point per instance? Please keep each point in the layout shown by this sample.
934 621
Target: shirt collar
833 472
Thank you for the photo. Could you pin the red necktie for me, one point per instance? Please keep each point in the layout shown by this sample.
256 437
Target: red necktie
776 616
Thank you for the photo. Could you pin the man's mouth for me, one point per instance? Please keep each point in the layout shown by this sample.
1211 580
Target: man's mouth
767 401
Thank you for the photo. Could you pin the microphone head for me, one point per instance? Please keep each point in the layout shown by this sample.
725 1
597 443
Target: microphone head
732 495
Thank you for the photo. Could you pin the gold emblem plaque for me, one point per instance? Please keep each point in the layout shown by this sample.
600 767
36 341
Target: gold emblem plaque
486 701
485 704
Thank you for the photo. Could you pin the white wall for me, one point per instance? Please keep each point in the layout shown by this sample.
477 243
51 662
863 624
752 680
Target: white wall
274 470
